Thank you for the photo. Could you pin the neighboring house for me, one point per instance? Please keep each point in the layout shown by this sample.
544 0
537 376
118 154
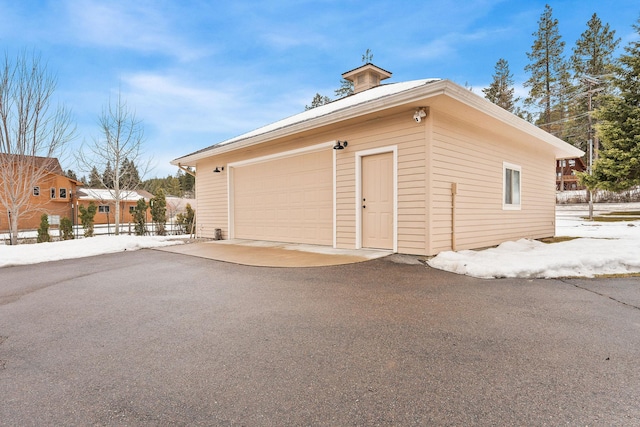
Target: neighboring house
566 174
105 202
178 205
53 195
415 167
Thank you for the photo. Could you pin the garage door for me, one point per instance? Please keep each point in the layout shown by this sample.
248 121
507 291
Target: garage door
285 200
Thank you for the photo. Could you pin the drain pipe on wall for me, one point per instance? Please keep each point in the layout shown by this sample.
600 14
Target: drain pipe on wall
454 193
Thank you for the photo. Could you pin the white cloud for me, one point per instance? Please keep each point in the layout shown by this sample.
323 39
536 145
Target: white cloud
139 26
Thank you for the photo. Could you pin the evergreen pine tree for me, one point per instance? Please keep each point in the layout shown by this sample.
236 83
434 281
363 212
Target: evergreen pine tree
94 179
43 230
139 214
501 90
345 89
317 101
618 167
108 176
159 212
592 61
66 228
549 74
185 220
129 175
87 216
187 184
71 174
172 186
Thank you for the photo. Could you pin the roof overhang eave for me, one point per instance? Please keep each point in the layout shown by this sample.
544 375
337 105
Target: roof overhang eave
427 90
561 149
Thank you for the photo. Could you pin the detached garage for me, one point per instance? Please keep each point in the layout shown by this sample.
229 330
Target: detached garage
414 167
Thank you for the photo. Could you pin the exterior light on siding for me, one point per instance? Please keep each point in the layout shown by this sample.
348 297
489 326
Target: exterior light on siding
420 114
218 169
340 145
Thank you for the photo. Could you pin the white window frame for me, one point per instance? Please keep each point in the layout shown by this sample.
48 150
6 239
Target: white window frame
60 190
103 209
505 191
52 192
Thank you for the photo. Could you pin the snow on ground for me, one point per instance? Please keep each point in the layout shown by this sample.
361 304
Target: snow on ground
600 248
55 251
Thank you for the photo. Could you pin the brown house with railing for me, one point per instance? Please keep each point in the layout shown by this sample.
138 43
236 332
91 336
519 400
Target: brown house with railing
105 202
53 195
567 174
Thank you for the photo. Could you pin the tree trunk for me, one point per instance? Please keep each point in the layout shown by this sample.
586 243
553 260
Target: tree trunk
14 227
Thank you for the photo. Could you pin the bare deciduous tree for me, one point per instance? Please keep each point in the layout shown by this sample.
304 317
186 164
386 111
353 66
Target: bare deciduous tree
119 144
32 132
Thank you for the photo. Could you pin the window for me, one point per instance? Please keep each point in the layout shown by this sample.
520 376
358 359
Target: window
36 191
63 193
103 208
132 209
512 188
53 192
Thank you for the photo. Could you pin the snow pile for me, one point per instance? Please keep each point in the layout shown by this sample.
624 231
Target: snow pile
602 248
55 251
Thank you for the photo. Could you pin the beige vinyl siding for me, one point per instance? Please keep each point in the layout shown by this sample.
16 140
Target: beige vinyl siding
473 158
211 194
396 130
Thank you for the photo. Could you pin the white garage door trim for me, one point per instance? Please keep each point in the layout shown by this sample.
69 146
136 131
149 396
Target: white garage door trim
305 150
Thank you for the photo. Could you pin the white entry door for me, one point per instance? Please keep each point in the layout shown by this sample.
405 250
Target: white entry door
377 201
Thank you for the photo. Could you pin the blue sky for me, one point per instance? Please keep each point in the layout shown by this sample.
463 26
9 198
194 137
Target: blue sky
198 72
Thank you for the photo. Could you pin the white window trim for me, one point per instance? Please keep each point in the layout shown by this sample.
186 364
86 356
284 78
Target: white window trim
52 192
512 206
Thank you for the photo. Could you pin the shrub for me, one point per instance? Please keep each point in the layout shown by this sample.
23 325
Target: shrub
66 229
185 220
159 212
87 216
43 230
139 213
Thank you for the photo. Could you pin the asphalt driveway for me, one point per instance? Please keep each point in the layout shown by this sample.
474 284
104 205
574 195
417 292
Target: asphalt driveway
155 338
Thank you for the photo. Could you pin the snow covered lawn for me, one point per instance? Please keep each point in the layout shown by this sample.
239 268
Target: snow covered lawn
55 251
601 248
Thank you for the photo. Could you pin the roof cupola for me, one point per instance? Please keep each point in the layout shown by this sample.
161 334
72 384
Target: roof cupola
366 77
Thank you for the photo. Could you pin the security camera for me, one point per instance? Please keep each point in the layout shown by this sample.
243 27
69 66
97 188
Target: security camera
419 114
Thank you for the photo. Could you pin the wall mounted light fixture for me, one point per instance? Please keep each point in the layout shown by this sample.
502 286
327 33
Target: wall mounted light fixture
218 169
420 114
340 145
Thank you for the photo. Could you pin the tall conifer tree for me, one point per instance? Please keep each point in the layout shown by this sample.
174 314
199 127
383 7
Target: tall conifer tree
501 91
549 76
591 61
618 167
